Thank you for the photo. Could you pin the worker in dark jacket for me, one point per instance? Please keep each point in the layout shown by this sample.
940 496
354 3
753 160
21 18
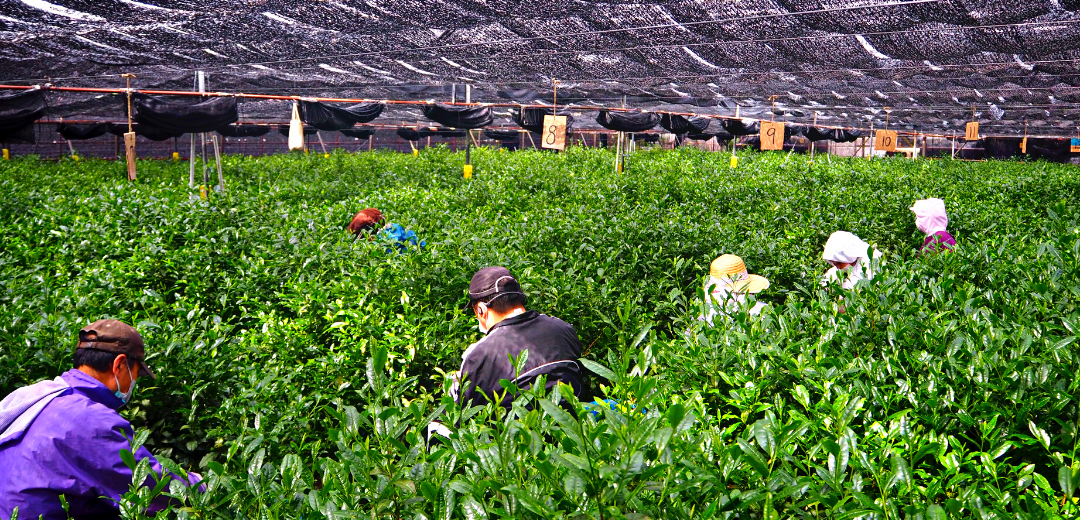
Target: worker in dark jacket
496 298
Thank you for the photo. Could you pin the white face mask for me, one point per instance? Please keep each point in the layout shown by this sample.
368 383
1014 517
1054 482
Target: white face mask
125 396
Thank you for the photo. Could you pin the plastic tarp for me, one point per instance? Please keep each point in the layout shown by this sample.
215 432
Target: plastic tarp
408 134
175 116
454 116
511 136
329 117
720 136
532 119
149 132
741 126
78 132
360 133
441 132
677 124
627 121
17 115
243 130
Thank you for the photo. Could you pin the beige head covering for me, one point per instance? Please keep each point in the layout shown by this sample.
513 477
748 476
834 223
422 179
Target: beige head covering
729 273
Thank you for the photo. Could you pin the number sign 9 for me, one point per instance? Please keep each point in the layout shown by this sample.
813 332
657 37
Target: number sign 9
772 135
554 136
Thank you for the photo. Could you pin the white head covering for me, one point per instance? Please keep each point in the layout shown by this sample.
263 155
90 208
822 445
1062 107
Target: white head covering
930 215
845 247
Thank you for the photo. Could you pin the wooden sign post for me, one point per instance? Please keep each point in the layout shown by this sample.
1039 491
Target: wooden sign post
772 135
1023 142
885 140
554 133
129 136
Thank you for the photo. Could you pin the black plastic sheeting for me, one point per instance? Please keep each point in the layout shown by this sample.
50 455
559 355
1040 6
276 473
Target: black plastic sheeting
81 131
408 134
149 132
1054 150
284 130
508 136
741 126
18 113
441 132
175 116
455 116
360 133
677 124
627 121
243 130
329 117
720 136
532 119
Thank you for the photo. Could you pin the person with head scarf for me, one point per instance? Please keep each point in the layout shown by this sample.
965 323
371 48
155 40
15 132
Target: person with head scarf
727 287
931 219
851 260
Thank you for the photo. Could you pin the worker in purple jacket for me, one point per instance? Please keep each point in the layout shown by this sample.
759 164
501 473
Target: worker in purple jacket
64 436
931 219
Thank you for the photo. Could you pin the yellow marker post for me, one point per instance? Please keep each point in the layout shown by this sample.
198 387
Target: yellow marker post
175 156
415 152
468 171
7 154
75 157
202 191
734 161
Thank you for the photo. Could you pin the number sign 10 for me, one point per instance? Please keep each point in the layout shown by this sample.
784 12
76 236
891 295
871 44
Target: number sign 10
885 140
554 136
772 135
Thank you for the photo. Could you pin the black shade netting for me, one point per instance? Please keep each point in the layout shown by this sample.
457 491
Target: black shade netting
628 121
677 124
455 116
329 117
175 116
532 119
243 130
441 132
506 136
81 131
308 130
742 126
149 132
18 113
408 134
360 133
720 136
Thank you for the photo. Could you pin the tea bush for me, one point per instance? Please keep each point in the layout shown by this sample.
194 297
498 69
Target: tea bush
298 369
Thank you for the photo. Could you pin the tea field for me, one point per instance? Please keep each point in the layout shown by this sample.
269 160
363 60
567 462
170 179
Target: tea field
298 369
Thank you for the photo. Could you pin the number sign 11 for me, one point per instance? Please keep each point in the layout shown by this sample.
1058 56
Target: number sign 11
554 136
885 140
772 135
971 131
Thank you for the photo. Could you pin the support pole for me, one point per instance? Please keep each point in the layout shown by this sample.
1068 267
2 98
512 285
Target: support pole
201 76
217 159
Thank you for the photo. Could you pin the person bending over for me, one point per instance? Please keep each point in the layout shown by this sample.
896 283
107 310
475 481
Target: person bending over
498 302
729 283
931 219
64 436
851 260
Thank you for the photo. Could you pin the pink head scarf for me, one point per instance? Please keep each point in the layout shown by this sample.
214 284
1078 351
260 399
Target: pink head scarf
930 215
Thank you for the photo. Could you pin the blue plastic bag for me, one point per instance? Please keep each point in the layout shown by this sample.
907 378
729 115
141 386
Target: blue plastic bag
398 238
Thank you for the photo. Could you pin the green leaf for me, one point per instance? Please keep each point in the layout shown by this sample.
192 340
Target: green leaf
128 458
754 458
675 413
1065 480
802 396
526 499
598 369
1039 434
936 512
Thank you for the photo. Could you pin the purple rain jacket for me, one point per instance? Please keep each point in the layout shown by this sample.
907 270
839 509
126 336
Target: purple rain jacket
72 448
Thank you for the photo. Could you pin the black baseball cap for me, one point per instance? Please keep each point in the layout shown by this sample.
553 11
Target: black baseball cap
117 337
490 283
